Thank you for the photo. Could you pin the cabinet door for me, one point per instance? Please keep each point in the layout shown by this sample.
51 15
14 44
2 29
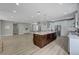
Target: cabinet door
44 40
53 36
37 39
74 46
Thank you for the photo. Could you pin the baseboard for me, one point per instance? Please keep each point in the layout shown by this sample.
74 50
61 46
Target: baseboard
8 35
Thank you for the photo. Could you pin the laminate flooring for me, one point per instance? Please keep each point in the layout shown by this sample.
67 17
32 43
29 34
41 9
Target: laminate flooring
23 45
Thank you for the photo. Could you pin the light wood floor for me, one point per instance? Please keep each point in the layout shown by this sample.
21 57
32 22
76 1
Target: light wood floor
23 45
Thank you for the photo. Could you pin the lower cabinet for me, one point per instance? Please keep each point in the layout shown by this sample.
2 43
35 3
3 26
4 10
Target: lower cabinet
42 40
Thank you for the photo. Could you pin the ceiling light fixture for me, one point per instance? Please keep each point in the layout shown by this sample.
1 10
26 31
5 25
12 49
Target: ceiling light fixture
11 16
38 12
32 16
60 3
14 11
17 4
65 13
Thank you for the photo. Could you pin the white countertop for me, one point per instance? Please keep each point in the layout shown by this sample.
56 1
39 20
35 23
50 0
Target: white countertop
43 33
73 43
73 35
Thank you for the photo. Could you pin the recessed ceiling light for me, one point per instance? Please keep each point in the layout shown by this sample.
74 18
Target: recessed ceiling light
38 12
17 4
11 16
14 11
32 16
60 3
65 12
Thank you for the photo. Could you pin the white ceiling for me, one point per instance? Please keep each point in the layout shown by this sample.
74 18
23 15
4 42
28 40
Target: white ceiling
32 12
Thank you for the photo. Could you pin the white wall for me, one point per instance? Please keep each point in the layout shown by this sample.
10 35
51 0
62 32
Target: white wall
0 28
7 28
44 26
22 28
78 14
66 26
35 27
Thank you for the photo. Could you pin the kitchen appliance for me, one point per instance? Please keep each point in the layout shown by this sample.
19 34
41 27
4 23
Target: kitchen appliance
58 30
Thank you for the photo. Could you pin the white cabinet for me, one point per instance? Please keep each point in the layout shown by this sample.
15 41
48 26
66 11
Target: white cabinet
73 44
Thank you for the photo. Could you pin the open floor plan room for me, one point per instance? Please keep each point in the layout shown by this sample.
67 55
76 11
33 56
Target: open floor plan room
39 29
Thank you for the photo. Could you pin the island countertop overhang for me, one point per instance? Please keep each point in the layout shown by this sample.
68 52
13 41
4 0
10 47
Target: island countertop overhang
44 33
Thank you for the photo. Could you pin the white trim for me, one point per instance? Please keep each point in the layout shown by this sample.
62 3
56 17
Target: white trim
21 33
7 35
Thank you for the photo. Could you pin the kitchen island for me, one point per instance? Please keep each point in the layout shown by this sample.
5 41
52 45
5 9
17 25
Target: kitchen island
41 39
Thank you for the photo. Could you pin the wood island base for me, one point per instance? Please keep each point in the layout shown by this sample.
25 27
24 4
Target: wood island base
43 40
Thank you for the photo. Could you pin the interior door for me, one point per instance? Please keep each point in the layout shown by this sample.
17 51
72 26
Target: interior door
15 29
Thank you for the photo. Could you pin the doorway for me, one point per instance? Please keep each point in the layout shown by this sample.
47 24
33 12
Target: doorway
15 29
